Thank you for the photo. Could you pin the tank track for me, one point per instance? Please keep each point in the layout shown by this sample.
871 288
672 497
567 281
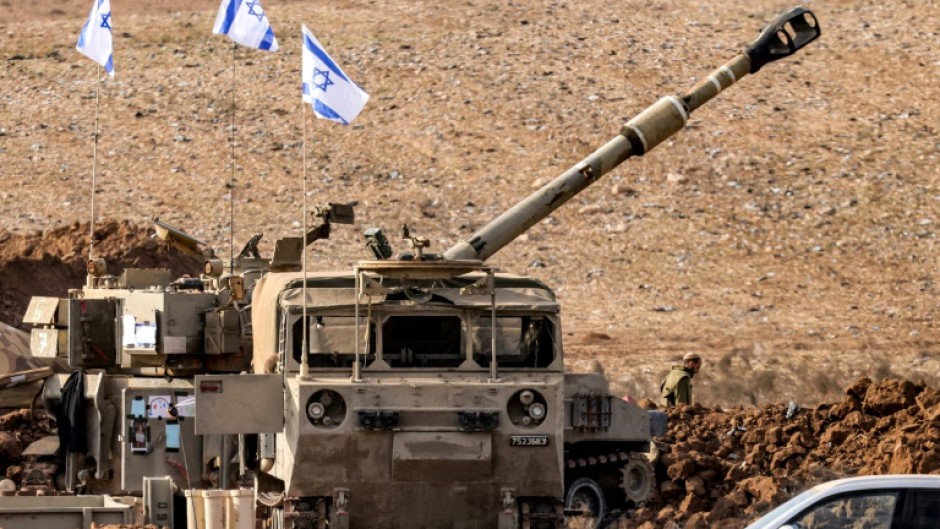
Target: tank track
635 470
611 458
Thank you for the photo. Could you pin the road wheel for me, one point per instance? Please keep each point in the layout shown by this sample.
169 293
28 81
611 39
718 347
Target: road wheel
637 479
584 500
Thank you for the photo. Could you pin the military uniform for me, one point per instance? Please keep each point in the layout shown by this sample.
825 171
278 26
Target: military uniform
677 387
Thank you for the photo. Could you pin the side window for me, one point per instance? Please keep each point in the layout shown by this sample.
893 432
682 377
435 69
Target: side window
862 511
924 510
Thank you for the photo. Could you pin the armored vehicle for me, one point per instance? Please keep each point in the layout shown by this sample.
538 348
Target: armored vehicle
426 390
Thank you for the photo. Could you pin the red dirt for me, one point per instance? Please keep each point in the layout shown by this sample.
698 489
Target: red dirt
724 467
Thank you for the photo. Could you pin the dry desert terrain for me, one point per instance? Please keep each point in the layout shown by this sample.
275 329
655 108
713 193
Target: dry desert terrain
787 234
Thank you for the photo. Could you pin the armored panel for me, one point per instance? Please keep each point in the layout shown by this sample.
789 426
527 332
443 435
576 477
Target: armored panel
239 404
137 278
287 252
432 456
41 311
183 321
92 332
48 343
223 331
168 323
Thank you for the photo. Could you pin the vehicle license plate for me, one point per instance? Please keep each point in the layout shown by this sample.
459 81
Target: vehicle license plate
528 440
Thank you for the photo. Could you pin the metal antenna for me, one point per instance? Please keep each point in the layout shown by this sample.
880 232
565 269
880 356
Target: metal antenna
304 368
231 184
94 164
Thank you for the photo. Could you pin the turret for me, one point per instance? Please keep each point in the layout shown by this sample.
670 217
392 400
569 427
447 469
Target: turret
790 32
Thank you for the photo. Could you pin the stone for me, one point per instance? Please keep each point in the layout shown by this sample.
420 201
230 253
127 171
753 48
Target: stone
889 396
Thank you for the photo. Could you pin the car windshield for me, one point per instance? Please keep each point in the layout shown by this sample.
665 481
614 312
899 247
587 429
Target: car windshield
859 510
766 520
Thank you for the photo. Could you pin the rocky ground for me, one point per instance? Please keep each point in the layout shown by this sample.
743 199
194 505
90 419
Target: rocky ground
723 467
19 428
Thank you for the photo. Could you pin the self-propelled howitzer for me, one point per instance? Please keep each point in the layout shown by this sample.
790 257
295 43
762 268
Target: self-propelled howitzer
417 392
790 32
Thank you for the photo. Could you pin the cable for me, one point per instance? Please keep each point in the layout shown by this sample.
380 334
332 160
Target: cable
32 412
179 467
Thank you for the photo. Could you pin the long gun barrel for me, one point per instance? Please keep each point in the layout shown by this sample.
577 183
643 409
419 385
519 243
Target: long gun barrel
789 32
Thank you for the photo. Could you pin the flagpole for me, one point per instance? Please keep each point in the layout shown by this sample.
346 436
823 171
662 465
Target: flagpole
304 368
231 185
94 162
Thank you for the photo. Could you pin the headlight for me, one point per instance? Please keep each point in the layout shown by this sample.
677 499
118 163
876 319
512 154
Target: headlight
316 410
537 411
527 408
527 397
326 409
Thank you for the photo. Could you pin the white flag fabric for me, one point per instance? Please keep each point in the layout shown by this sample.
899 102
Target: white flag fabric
332 93
95 40
244 22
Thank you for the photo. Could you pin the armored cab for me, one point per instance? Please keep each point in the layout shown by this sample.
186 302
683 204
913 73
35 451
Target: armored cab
437 424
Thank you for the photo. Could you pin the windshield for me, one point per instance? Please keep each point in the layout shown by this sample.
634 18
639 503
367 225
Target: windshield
766 520
521 341
331 341
422 341
432 340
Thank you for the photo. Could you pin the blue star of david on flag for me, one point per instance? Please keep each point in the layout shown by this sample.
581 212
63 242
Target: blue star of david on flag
325 74
344 100
94 41
251 9
245 22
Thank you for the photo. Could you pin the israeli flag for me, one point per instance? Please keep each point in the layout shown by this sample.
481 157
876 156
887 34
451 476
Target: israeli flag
245 22
95 39
333 95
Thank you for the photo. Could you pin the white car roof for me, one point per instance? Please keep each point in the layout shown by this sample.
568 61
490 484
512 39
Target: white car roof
899 481
821 492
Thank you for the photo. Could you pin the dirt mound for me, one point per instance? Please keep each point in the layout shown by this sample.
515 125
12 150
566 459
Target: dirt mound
18 429
51 262
729 466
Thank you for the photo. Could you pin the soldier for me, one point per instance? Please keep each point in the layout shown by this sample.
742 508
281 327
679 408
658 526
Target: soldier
677 387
